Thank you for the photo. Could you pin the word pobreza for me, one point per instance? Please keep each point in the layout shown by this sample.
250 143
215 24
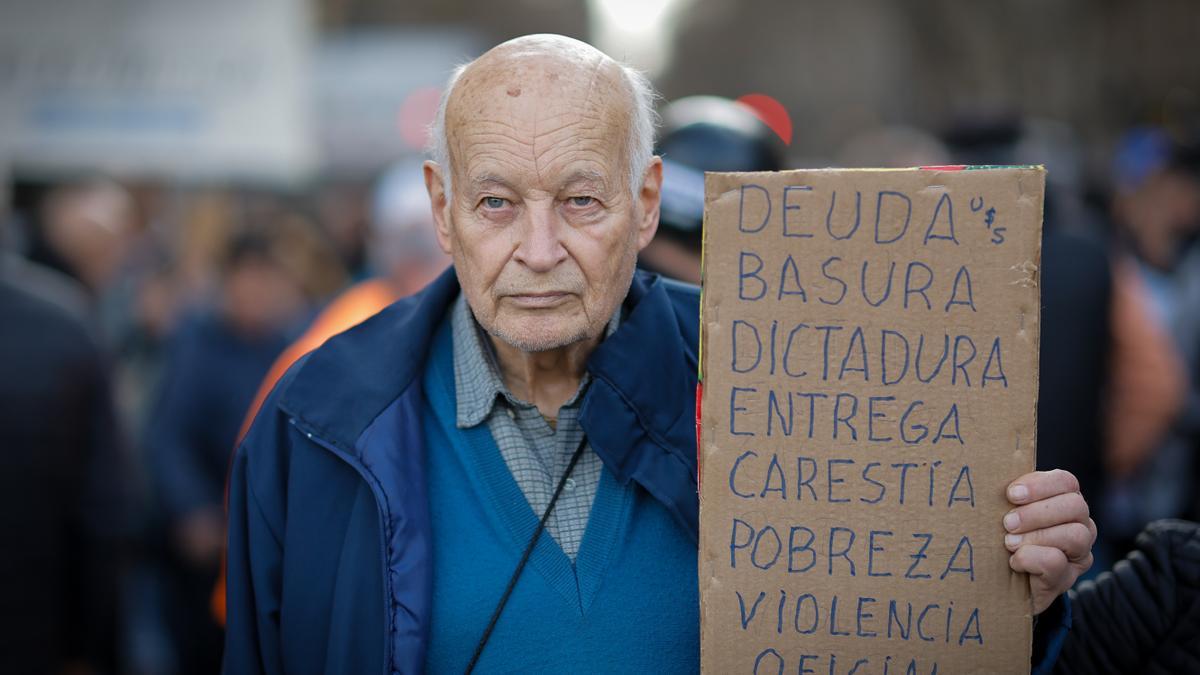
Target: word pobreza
869 370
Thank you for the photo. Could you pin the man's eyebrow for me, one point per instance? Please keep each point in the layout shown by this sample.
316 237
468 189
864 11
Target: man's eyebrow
488 180
586 176
581 176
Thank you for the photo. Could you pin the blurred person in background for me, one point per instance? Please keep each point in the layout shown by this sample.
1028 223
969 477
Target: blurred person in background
92 229
700 133
97 231
63 499
1156 209
1107 390
272 274
89 226
404 256
1103 376
1142 616
343 210
43 282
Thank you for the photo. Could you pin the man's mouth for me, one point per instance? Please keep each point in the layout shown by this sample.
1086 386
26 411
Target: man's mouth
540 300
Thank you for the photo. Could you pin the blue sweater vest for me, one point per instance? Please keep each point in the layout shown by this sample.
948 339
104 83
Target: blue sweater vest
628 604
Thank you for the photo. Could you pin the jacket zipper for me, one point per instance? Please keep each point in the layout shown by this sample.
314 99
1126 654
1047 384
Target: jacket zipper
384 530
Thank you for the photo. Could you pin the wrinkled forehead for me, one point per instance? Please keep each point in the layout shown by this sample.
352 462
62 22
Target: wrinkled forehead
528 113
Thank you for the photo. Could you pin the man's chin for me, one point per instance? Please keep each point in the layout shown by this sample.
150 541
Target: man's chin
540 338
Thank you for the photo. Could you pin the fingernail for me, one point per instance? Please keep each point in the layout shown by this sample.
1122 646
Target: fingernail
1011 521
1012 540
1018 492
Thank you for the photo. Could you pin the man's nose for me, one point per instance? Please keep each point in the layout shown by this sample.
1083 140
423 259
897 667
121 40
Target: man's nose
541 248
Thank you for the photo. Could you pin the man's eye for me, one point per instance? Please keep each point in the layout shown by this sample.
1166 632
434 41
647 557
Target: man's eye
495 202
582 202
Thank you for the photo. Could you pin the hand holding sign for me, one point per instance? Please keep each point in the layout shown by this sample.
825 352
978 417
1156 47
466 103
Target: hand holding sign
1050 533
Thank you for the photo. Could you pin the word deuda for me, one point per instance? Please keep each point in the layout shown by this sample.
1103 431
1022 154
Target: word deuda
796 211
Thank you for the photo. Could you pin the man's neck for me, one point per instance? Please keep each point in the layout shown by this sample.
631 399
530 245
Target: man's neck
546 379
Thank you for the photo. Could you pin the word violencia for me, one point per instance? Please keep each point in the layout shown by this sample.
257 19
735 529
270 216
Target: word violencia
861 617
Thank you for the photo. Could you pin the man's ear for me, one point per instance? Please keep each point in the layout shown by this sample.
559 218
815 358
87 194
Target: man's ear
649 200
438 204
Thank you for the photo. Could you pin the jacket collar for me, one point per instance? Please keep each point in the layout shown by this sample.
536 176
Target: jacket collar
638 412
341 387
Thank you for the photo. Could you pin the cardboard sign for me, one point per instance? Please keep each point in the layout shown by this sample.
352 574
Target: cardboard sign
869 372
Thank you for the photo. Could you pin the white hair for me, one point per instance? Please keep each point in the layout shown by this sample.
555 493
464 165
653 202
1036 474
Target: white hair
639 147
439 145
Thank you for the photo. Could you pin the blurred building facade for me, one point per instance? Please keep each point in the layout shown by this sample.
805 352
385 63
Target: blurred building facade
1096 66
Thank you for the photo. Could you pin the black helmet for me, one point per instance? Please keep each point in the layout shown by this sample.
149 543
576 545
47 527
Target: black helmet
706 133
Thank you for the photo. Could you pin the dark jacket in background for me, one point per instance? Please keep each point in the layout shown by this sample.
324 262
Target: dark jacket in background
1144 615
62 496
209 380
1075 344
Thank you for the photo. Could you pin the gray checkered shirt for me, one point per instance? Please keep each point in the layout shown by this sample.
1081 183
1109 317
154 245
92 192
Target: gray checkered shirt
536 453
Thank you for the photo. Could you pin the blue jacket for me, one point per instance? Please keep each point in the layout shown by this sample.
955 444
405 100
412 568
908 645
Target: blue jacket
329 542
329 537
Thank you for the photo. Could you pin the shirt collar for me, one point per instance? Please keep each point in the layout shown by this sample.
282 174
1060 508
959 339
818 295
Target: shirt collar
477 382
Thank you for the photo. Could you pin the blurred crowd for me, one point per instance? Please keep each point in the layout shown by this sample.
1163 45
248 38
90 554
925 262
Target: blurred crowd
141 321
138 323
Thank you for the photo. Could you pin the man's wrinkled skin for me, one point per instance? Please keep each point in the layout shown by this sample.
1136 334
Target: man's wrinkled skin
541 223
544 232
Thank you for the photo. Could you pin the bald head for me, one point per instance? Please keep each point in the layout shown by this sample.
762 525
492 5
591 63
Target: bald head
548 144
534 84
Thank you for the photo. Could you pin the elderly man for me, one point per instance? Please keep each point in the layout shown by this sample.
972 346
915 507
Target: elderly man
387 506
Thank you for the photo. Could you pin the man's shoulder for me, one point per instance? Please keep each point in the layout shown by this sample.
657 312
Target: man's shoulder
391 338
681 292
662 322
344 383
685 301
